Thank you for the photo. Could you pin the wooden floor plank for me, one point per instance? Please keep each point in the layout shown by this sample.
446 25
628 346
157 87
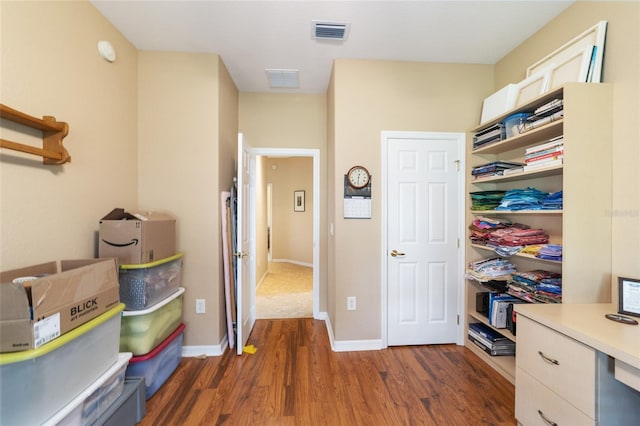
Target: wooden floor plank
296 379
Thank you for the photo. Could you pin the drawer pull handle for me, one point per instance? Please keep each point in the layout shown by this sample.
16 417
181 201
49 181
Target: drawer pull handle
546 420
549 360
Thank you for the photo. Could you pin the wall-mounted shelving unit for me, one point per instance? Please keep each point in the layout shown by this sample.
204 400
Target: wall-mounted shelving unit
583 226
53 132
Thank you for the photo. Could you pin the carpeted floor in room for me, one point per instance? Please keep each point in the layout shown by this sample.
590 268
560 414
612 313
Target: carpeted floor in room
285 292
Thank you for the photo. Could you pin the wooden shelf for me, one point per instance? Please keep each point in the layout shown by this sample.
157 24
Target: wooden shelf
528 107
537 135
530 174
504 331
53 132
510 212
586 129
505 365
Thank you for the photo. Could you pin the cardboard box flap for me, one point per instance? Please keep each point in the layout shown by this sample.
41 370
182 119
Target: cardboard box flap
66 265
118 214
149 216
144 215
95 276
29 271
14 302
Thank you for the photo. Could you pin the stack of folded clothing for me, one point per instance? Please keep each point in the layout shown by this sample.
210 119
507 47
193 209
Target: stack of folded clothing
537 286
522 199
517 236
481 228
486 200
550 252
489 270
553 201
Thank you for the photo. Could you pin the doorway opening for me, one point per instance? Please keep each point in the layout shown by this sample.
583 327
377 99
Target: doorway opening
287 254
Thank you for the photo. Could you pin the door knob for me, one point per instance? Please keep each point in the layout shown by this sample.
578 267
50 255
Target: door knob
396 253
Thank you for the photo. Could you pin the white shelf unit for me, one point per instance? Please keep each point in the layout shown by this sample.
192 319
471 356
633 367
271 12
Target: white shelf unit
583 227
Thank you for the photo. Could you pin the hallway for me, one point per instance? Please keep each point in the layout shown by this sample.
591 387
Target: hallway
285 292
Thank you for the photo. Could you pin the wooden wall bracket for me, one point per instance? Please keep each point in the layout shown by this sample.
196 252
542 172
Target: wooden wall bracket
53 132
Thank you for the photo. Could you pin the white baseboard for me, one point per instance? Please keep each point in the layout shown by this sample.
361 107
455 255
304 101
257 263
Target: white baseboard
205 350
295 262
350 345
336 345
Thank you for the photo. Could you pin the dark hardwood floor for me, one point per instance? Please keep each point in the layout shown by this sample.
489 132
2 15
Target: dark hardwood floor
295 379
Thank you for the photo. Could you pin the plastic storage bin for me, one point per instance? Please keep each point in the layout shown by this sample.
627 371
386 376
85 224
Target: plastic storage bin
129 409
144 285
95 399
159 364
141 331
514 124
35 384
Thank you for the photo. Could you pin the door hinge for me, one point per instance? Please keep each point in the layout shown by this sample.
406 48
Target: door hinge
458 242
457 164
458 319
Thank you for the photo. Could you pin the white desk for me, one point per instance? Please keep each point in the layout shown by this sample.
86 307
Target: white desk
573 364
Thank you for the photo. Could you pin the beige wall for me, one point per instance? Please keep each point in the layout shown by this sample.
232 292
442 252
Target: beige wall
133 146
369 97
50 66
291 121
622 70
292 232
186 158
262 254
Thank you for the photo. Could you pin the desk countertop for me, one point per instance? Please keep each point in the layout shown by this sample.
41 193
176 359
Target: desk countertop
587 324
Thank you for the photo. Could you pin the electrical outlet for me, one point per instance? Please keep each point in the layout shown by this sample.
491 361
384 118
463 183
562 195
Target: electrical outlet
351 303
200 306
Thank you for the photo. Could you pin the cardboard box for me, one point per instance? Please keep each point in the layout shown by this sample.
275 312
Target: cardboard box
56 298
137 237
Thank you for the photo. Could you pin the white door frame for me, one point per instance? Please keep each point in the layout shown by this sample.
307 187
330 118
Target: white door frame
270 219
315 154
458 138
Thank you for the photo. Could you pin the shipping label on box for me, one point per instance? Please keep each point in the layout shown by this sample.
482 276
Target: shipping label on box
56 298
137 237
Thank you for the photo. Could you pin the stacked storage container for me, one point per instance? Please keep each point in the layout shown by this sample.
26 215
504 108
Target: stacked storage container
150 276
72 372
151 325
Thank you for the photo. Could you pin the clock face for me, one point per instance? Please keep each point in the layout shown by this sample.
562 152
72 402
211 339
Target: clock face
358 177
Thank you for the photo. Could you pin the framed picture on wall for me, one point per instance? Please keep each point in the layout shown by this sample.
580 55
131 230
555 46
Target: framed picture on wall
298 201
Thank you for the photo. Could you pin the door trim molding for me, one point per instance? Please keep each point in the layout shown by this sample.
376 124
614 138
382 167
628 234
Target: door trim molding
460 139
315 154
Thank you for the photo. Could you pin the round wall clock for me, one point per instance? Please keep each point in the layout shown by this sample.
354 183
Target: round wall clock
358 177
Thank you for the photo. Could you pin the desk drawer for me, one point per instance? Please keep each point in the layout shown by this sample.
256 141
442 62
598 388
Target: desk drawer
562 364
535 403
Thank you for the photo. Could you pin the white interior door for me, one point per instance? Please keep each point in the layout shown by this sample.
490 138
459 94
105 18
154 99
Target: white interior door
423 266
245 285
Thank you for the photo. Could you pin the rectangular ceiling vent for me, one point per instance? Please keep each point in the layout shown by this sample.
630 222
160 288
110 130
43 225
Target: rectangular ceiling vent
283 78
323 30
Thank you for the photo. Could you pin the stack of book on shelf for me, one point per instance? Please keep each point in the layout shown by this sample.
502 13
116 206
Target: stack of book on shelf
496 168
498 304
490 341
494 133
547 154
551 111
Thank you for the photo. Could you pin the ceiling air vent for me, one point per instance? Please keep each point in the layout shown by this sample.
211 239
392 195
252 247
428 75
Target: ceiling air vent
283 78
323 30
